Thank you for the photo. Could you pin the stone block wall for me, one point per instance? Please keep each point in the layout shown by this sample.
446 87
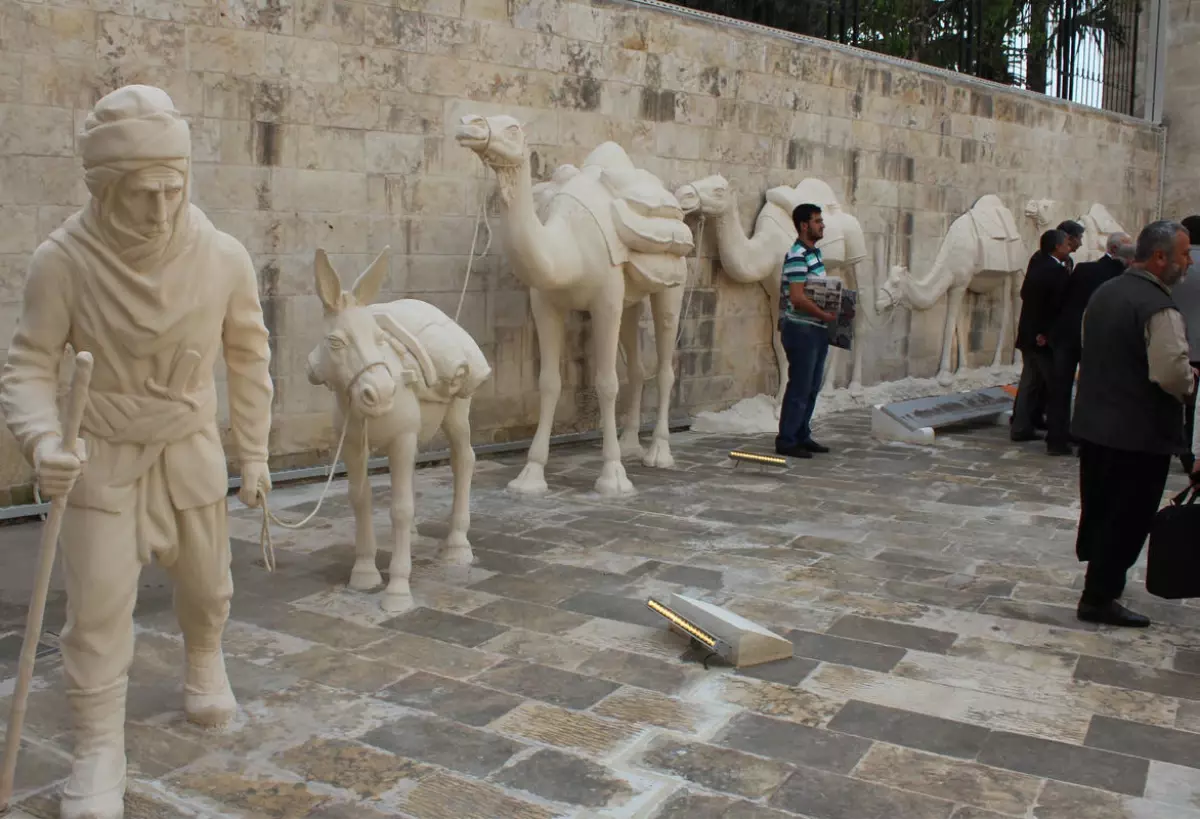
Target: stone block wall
330 123
1181 112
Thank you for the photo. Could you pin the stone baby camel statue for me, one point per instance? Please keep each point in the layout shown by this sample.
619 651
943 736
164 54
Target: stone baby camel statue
599 238
142 280
982 250
400 371
760 258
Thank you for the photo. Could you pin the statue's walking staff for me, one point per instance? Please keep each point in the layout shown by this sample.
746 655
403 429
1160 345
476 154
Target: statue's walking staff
76 401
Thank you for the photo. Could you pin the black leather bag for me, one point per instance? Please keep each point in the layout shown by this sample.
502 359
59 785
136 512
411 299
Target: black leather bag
1173 559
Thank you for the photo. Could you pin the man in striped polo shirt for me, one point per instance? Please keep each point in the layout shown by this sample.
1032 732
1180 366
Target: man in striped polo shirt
804 330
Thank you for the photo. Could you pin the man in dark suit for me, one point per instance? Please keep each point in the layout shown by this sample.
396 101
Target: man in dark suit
1041 301
1065 335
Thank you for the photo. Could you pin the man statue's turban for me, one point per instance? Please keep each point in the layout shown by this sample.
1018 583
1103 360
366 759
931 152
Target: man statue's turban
136 122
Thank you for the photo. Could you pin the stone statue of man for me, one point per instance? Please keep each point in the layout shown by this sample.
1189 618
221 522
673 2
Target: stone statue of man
142 280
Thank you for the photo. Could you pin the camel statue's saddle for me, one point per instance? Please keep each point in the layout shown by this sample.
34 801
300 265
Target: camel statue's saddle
1000 247
640 220
440 359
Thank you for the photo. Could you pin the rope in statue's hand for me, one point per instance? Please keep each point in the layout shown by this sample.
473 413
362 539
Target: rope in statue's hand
269 517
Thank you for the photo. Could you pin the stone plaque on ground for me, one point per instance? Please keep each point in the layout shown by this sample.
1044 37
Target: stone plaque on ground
915 421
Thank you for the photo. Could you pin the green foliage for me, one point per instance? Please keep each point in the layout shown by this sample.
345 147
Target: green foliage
1005 41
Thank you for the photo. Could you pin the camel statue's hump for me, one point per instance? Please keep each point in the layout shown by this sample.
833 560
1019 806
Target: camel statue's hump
609 155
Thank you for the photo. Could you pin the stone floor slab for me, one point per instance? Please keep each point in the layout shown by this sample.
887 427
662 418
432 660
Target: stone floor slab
933 589
925 733
1066 763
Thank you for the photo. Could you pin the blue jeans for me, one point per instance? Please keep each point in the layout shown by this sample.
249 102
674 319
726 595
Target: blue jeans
806 347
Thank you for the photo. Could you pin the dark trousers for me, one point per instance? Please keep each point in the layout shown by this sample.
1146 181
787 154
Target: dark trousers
806 347
1120 493
1058 404
1037 372
1188 458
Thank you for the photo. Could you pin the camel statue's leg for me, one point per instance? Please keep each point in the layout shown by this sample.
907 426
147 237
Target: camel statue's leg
860 333
1007 308
365 574
606 323
961 325
954 299
631 344
833 362
667 306
771 286
457 426
548 321
402 461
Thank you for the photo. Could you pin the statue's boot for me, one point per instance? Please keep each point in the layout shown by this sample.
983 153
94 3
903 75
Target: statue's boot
96 788
207 697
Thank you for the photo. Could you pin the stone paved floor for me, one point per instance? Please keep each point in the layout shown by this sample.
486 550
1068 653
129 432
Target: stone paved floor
939 671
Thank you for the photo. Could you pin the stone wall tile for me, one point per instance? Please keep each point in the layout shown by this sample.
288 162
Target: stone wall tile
44 29
198 12
330 123
301 60
220 49
394 28
391 153
36 129
341 21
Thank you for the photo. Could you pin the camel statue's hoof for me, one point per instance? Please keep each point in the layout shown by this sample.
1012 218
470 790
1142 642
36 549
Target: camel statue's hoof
945 378
613 482
531 481
397 602
659 454
365 578
856 389
456 554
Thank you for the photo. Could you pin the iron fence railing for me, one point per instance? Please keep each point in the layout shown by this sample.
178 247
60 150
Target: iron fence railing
1082 50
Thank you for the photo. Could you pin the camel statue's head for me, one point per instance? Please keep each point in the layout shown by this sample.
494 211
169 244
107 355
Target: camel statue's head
499 140
711 196
890 292
350 358
1040 211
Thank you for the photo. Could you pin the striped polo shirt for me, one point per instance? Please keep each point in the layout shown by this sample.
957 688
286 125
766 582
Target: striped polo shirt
800 263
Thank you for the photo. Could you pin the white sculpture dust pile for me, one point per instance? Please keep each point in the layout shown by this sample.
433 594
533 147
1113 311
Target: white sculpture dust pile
400 370
981 251
598 238
760 258
142 280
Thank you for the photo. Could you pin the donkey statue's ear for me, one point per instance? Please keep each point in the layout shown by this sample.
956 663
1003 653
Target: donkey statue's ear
368 285
329 286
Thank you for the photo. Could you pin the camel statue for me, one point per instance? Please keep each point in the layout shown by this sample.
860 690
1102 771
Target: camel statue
400 371
1098 225
760 259
982 250
598 238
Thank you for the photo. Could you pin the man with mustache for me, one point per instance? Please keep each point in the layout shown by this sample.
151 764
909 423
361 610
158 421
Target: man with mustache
143 281
1134 377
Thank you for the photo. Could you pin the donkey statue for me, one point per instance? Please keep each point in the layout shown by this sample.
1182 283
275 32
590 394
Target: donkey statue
400 371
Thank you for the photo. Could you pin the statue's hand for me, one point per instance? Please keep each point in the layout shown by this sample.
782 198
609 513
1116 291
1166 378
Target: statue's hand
57 469
256 482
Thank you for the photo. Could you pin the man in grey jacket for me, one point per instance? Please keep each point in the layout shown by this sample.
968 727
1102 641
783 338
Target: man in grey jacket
1187 299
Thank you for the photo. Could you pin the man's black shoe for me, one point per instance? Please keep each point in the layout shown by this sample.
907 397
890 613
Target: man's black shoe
793 452
1059 449
813 446
1027 436
1111 614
